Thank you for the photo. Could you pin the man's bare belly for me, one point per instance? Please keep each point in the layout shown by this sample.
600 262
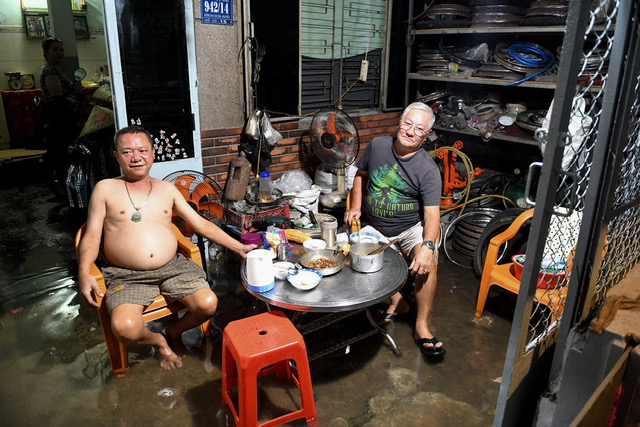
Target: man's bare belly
139 246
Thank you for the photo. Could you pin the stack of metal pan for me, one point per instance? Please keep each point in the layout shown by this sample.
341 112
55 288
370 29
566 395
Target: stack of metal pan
546 12
445 15
468 229
431 61
497 15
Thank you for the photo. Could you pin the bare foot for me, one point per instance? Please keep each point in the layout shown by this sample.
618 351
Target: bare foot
168 359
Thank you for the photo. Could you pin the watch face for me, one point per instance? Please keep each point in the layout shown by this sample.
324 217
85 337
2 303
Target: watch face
429 244
15 84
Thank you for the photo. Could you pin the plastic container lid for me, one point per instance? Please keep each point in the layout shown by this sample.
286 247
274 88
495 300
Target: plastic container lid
265 174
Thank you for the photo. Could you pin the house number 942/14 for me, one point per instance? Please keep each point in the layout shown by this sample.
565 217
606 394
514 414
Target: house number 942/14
216 7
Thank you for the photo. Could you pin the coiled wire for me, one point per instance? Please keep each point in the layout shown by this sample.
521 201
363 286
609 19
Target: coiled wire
545 59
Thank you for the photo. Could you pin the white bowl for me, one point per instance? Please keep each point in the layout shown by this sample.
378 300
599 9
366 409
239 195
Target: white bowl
364 237
314 245
305 279
281 269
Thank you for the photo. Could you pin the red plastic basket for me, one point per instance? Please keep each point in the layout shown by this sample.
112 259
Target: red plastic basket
545 280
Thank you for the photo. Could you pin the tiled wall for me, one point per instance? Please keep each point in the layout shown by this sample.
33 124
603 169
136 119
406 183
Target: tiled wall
294 151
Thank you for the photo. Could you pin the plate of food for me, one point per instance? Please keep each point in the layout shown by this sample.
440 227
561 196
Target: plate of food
324 261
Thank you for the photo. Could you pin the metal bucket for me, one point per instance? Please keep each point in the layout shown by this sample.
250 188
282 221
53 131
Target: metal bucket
365 263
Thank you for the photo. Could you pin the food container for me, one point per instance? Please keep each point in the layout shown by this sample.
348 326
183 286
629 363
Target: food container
328 231
313 245
310 258
364 263
546 280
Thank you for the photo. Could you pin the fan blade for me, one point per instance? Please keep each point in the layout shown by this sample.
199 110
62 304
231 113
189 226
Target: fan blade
343 134
214 208
185 228
331 123
205 190
183 183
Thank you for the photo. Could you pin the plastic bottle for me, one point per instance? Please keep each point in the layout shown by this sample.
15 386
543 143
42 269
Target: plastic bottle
238 178
265 187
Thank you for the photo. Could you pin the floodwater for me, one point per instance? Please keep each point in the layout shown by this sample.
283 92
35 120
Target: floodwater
55 370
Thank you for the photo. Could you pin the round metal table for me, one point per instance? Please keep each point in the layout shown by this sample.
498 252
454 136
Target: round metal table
341 295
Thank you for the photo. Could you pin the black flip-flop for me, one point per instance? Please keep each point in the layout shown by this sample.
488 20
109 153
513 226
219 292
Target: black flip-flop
391 317
430 351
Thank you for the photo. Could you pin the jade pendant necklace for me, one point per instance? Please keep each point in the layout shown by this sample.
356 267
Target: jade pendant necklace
137 216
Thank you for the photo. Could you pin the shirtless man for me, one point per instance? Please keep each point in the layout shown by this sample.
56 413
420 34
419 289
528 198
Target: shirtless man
131 215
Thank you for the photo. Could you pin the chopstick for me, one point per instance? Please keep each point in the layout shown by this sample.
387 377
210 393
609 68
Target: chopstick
377 251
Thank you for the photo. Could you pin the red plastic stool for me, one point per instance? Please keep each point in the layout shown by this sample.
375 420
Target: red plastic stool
257 346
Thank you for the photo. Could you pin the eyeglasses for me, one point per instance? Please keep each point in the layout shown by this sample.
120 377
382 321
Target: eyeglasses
417 130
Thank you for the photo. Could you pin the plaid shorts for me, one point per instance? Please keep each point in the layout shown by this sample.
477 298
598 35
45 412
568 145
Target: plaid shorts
176 279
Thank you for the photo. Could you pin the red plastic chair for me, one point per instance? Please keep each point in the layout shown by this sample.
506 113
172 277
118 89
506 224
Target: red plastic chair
503 274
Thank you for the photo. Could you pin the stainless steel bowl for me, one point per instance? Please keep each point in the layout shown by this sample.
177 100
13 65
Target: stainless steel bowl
330 254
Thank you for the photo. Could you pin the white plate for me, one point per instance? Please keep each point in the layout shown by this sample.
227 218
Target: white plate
305 279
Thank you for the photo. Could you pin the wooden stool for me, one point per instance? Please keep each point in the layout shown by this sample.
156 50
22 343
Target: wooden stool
257 346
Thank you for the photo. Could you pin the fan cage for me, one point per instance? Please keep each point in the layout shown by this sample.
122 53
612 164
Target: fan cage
345 150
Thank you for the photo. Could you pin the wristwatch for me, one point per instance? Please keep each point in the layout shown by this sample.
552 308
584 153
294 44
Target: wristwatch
429 244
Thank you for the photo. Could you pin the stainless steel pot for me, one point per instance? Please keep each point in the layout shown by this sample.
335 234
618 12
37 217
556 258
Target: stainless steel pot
365 263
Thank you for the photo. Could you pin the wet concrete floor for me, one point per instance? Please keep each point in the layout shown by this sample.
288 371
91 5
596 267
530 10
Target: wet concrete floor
55 370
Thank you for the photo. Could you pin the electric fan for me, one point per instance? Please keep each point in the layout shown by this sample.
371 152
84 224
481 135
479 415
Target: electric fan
202 193
334 139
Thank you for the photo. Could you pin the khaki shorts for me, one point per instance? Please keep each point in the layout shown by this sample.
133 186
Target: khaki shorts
176 279
408 239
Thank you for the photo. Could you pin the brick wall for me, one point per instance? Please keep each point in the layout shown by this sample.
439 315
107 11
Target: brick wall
294 151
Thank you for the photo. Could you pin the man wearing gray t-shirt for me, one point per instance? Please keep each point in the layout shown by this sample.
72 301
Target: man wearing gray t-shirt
397 191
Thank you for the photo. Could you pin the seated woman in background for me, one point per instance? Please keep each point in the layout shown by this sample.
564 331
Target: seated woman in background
59 116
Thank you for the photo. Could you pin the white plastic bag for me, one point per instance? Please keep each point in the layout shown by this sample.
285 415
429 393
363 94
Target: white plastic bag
292 182
327 178
578 128
270 134
307 200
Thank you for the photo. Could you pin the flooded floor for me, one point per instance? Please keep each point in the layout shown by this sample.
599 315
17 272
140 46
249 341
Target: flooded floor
55 369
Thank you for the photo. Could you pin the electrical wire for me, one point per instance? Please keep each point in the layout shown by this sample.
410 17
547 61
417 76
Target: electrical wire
462 199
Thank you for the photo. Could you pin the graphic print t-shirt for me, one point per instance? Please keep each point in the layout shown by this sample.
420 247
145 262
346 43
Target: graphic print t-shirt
397 188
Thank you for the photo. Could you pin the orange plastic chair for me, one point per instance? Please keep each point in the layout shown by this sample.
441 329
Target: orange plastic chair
257 346
503 274
159 308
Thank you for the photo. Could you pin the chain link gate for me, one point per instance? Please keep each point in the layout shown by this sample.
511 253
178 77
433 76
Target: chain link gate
584 232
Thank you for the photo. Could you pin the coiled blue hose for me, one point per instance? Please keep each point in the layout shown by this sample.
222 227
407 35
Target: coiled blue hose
544 60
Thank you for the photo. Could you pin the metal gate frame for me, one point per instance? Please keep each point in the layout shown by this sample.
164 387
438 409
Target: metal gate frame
581 172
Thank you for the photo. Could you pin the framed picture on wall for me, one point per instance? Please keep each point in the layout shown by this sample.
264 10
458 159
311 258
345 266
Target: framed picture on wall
80 26
47 24
34 26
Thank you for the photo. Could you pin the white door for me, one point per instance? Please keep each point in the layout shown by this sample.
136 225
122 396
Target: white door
153 77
